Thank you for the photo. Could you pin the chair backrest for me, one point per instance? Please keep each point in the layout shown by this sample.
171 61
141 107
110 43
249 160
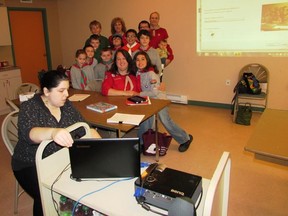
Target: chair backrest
260 72
9 131
216 202
12 105
55 163
27 87
43 163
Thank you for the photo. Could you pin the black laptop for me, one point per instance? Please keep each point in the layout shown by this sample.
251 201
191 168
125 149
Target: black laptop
105 158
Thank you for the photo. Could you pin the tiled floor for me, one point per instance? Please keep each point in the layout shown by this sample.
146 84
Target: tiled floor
257 187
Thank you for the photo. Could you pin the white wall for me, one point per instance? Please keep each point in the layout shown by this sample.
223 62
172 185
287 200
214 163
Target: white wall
200 78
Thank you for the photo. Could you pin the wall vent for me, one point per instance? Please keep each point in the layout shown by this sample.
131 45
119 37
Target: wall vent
182 99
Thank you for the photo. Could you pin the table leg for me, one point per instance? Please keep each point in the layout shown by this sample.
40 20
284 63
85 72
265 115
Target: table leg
118 133
156 138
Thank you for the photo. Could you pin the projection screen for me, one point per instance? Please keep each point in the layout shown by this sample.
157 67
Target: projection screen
242 28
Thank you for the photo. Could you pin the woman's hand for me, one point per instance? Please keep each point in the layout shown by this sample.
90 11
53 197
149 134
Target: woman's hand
62 137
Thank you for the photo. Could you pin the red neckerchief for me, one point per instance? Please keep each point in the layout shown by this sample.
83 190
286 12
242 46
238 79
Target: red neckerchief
146 49
83 80
77 66
107 64
90 62
115 48
146 70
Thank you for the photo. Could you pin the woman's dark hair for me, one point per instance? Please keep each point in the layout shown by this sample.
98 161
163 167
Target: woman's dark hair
143 32
143 21
149 63
51 79
114 67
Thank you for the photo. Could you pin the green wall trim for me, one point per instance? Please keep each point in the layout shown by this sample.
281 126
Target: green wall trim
218 105
209 104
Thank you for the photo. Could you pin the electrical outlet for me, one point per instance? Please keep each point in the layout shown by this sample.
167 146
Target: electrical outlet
228 82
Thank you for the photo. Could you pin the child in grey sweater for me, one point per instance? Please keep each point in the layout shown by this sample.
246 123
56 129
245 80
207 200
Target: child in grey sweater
150 86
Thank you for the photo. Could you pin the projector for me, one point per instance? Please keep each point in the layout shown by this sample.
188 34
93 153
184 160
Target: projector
160 186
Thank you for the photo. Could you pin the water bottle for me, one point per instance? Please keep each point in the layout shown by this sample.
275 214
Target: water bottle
78 210
87 211
65 207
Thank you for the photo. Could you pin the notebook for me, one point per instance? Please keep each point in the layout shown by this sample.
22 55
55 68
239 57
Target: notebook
105 158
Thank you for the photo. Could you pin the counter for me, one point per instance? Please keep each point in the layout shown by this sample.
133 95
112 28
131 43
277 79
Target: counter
2 69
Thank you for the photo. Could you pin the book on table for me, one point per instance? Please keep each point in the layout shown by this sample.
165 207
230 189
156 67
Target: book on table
138 100
122 118
101 107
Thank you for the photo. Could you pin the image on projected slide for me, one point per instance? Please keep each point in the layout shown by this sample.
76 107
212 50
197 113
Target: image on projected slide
274 17
242 28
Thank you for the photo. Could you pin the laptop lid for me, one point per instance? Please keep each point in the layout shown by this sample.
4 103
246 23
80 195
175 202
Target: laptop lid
105 158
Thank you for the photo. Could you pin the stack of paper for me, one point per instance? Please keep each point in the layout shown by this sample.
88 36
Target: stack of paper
78 97
122 118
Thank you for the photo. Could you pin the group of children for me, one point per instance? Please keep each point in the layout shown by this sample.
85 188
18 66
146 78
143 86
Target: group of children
99 51
128 63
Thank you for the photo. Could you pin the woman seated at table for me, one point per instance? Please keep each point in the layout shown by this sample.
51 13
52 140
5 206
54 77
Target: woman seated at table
120 80
44 117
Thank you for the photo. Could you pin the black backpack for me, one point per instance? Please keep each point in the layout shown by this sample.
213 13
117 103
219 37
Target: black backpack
247 85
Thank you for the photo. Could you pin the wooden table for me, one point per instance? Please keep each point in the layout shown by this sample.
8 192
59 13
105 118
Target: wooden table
269 140
100 119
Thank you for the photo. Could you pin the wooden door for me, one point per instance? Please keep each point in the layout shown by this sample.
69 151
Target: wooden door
28 41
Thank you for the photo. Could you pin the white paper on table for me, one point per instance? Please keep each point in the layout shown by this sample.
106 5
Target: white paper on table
122 118
78 97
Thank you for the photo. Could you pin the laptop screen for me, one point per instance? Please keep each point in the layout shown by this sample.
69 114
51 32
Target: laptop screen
105 158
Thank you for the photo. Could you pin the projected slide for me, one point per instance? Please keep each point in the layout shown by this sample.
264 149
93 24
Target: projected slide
242 28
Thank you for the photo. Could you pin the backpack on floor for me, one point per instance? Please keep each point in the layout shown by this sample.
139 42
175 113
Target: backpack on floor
149 138
247 85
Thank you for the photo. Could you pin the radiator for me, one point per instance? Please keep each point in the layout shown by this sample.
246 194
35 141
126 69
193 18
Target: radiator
182 99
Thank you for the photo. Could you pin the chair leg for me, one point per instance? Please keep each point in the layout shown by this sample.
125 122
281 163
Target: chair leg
16 197
18 193
235 110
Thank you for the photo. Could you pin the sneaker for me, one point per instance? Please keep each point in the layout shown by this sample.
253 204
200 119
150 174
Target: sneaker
183 147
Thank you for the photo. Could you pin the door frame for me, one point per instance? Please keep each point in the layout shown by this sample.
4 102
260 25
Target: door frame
45 29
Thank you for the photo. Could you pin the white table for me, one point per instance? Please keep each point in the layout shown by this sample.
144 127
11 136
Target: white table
117 199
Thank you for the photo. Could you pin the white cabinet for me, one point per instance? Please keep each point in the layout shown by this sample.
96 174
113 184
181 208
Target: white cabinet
9 81
5 37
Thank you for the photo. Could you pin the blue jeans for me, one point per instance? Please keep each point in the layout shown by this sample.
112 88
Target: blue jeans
173 129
